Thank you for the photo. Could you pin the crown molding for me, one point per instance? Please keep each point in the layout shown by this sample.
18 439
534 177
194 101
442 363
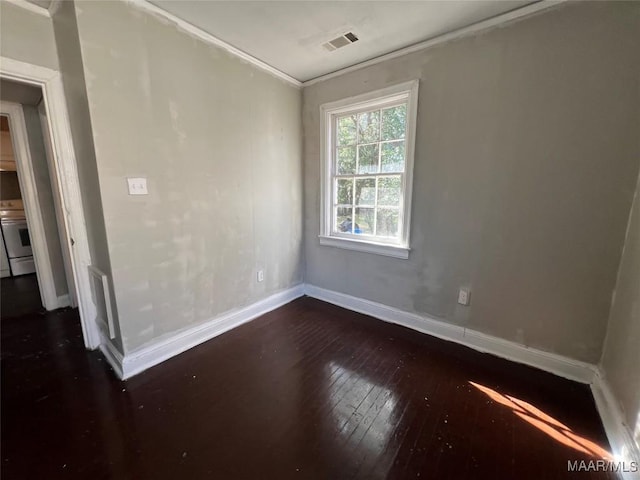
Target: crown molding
197 32
467 31
54 6
31 7
211 39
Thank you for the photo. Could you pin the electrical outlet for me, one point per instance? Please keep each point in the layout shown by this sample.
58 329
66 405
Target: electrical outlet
137 186
464 296
260 275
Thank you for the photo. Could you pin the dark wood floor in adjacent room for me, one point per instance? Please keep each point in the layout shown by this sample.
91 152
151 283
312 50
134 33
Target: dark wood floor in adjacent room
309 391
20 296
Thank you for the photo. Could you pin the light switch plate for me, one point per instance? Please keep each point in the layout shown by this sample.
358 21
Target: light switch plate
137 186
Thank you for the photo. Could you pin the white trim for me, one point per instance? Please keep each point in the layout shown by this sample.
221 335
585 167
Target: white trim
213 40
63 301
113 356
469 30
32 7
367 247
68 183
550 362
402 92
27 178
164 348
108 322
618 432
59 212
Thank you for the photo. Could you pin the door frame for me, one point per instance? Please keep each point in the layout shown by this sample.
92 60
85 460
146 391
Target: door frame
30 200
64 163
59 211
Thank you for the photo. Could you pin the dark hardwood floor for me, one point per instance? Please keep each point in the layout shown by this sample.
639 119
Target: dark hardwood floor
20 296
309 391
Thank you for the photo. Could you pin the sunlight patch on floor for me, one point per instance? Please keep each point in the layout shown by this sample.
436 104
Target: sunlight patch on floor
546 423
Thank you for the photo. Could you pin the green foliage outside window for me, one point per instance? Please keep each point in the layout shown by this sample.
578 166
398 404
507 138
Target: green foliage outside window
372 144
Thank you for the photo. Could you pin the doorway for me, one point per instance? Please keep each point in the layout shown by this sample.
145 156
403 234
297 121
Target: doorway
31 279
68 217
33 235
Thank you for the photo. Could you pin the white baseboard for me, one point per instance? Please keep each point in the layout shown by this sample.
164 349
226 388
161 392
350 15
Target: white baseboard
113 355
64 301
158 351
618 432
550 362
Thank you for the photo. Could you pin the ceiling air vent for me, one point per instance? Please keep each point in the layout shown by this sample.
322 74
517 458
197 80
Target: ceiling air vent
341 41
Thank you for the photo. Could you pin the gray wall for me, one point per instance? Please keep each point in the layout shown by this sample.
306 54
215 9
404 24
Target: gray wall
621 357
27 36
526 159
220 144
45 197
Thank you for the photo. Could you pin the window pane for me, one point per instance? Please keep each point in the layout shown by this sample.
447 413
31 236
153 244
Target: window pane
366 191
345 191
346 133
369 127
388 220
343 217
346 160
389 191
368 158
392 157
394 122
364 221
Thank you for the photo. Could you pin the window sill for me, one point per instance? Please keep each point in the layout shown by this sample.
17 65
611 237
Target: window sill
368 247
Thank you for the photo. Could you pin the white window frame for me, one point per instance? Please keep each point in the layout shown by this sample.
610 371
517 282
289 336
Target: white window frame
408 92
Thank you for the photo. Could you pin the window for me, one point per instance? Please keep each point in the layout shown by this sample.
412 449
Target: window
367 156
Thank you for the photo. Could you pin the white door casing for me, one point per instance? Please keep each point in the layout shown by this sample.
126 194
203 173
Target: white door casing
61 219
50 81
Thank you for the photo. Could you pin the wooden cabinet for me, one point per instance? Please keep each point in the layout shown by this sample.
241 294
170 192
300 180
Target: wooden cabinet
7 159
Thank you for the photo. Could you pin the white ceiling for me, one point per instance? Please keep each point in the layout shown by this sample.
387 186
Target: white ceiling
289 35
